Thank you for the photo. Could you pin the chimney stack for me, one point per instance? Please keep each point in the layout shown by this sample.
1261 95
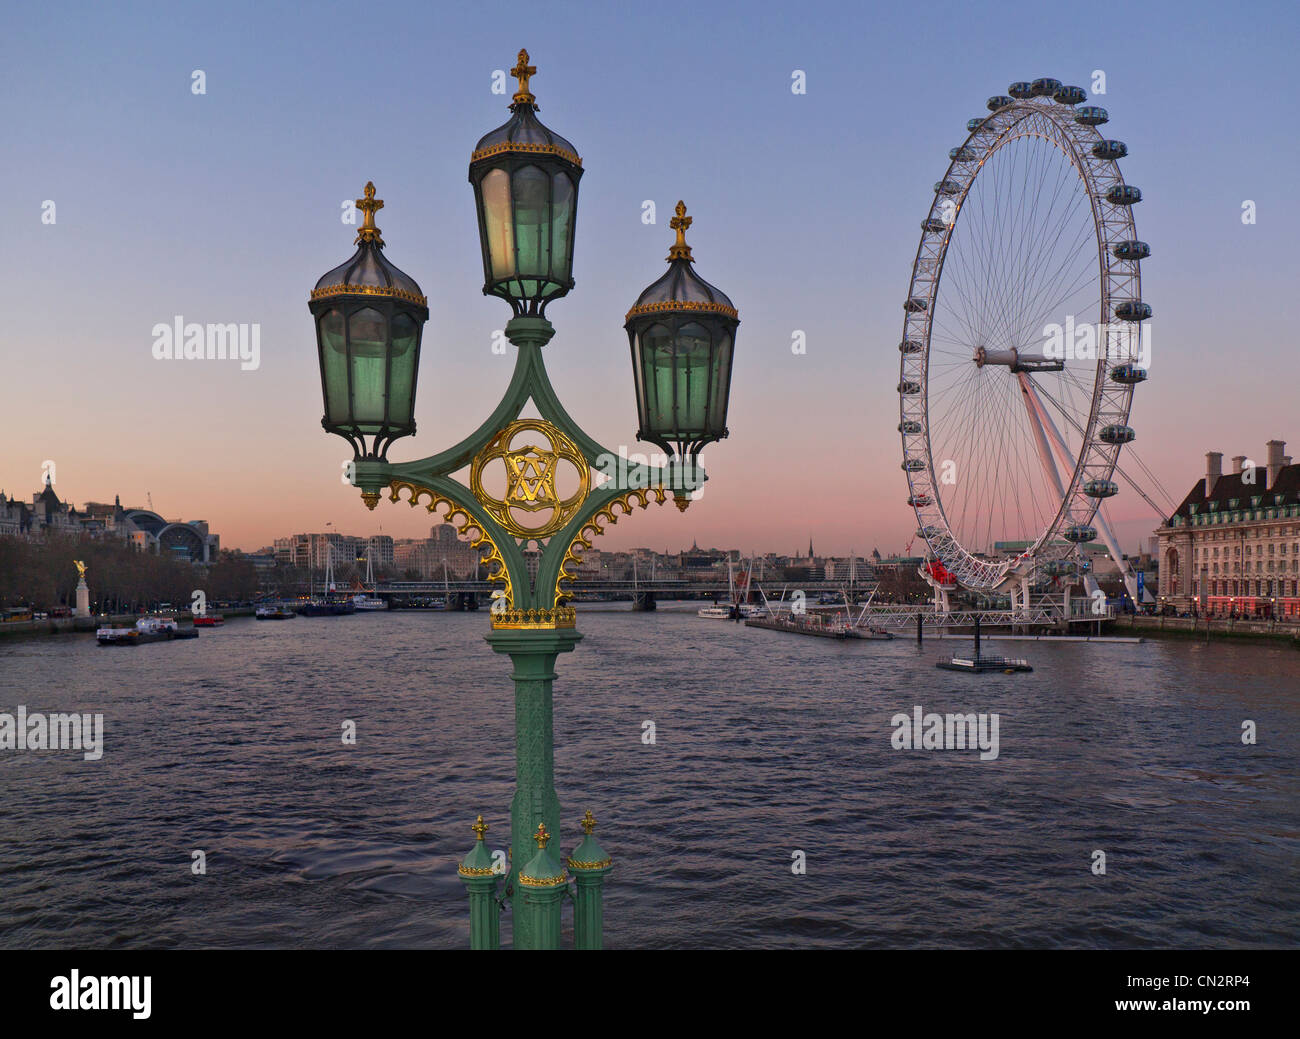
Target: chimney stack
1238 463
1275 449
1213 470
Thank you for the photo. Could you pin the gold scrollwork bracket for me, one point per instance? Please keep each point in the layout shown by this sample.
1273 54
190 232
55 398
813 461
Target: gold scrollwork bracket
595 526
463 521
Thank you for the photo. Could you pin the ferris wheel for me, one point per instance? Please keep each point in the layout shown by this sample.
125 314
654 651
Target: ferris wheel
1023 340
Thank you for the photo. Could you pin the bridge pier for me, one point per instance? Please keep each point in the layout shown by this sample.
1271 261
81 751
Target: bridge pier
644 602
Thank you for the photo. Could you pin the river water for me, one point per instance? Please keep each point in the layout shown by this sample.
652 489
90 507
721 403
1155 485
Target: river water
766 744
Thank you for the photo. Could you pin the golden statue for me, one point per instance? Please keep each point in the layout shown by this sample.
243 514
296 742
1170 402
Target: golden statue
81 569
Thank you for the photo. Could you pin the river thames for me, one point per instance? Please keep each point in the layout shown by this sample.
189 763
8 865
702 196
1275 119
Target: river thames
766 744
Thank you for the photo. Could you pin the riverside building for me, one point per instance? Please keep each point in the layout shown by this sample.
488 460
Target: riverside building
1233 545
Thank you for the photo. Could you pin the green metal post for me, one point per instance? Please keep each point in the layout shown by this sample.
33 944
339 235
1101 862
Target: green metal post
589 864
480 879
533 652
543 883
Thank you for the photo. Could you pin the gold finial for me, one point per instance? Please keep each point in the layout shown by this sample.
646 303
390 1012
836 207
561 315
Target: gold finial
588 823
679 223
541 836
522 71
480 828
369 205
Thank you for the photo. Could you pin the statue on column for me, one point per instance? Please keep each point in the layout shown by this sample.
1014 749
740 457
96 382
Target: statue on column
83 592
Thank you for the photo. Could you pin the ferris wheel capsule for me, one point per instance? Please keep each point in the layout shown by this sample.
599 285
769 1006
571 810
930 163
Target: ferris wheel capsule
1131 250
1110 150
1117 434
1091 115
1133 310
1101 488
1128 374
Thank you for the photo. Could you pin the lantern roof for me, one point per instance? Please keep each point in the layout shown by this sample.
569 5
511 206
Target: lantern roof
681 288
367 272
524 133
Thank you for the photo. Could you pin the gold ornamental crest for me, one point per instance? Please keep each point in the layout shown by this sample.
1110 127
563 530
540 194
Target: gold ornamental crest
531 480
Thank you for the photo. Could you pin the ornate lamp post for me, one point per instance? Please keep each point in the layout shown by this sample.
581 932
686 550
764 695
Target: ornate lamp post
531 487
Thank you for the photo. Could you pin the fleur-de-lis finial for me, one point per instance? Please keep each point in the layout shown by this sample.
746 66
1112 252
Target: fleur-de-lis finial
522 72
588 823
541 836
679 223
480 828
369 205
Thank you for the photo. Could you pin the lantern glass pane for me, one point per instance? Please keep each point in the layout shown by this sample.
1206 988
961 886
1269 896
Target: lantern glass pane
721 384
532 198
401 380
690 374
334 365
562 222
368 348
656 361
499 226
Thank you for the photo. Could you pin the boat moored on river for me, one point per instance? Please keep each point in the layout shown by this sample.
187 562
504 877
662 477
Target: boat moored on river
147 629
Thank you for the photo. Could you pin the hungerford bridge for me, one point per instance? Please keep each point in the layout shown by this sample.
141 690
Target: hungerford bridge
650 590
1049 610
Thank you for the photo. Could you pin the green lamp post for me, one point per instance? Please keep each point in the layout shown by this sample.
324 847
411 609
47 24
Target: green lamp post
531 487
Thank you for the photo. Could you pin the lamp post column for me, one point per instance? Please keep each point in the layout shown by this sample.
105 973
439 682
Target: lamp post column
589 865
479 876
532 652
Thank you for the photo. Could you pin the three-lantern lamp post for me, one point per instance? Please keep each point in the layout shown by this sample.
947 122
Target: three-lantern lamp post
532 489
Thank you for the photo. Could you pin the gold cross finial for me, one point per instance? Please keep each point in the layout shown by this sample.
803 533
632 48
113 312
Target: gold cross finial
369 205
541 836
480 828
588 823
679 223
522 71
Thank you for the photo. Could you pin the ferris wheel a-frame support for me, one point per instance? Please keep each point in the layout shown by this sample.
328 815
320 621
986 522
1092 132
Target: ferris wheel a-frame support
1045 431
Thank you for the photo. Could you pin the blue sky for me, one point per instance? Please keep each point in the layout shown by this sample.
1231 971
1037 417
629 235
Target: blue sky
224 207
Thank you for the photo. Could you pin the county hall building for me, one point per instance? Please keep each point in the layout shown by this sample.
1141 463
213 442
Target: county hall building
1233 545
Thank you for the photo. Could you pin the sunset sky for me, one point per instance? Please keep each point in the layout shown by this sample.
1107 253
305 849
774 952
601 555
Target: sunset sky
224 207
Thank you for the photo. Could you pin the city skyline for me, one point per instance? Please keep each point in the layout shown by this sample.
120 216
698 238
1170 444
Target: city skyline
228 240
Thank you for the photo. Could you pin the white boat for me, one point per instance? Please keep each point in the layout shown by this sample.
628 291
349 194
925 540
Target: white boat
147 629
715 612
366 602
743 610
